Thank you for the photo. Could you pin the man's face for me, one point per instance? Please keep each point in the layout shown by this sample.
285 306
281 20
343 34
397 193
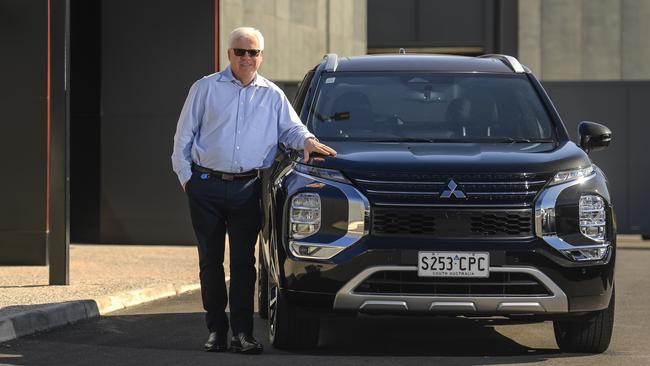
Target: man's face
244 67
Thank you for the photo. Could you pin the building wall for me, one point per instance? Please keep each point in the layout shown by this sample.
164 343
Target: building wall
585 39
461 27
23 126
143 57
297 33
621 106
593 57
151 54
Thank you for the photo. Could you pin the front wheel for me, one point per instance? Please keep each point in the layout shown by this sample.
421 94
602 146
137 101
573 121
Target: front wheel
586 334
287 329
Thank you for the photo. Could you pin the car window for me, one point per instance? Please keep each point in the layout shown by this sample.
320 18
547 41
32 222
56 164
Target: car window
428 106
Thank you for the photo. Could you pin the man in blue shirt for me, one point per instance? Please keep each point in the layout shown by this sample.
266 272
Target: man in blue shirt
228 130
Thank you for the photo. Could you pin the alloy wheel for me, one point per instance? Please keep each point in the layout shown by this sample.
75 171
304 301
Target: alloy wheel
273 310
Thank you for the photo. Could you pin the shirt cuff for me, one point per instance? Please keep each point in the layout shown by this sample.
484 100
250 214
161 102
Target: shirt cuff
184 177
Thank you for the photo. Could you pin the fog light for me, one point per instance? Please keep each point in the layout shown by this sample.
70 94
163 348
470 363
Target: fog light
307 250
545 221
586 254
592 217
304 216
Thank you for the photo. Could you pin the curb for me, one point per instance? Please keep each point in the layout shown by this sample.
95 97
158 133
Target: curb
55 315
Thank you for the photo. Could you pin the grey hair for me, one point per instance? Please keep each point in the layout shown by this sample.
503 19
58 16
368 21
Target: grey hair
242 32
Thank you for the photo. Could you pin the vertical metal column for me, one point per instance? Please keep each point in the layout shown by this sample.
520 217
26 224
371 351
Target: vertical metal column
59 160
217 67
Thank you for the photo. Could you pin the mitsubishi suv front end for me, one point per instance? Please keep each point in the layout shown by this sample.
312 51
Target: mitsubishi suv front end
455 191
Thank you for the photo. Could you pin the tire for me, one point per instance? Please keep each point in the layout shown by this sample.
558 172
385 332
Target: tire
586 334
262 287
287 328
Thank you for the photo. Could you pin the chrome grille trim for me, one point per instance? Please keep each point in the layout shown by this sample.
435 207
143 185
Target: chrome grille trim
372 191
522 183
507 189
496 193
509 205
403 192
396 182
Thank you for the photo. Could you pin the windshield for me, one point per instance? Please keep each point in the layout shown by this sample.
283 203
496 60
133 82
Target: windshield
425 107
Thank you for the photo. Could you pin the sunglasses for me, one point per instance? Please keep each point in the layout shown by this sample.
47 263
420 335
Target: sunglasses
242 51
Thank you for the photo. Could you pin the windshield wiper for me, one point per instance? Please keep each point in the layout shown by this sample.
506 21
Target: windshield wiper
520 140
463 140
399 139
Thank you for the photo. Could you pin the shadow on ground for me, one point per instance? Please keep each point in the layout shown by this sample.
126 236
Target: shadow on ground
176 339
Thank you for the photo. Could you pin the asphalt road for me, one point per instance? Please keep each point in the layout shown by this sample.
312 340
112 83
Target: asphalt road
171 332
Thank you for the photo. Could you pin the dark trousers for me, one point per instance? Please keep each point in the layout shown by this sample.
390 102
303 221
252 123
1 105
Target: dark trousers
218 206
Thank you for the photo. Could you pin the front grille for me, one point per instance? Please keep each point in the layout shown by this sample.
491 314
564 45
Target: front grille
503 189
452 223
408 283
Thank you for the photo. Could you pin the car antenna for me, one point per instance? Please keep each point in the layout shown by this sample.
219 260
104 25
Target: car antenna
402 51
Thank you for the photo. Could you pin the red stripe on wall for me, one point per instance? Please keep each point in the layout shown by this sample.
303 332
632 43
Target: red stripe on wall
216 35
49 119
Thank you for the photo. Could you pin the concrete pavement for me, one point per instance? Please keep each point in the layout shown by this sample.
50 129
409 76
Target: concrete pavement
172 331
103 279
106 278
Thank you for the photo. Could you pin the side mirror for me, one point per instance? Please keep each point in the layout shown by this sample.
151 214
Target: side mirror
593 136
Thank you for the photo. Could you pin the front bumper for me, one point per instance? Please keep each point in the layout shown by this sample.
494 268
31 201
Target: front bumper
572 287
555 302
329 284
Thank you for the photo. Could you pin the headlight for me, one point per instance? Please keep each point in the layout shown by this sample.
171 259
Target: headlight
330 174
570 175
592 217
304 216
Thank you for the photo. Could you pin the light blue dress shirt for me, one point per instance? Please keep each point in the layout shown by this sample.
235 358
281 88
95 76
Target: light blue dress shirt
227 127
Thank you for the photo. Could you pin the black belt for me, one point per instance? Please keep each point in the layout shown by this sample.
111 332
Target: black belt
225 176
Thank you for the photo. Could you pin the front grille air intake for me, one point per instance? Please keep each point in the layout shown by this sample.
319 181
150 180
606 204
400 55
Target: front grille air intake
511 284
452 223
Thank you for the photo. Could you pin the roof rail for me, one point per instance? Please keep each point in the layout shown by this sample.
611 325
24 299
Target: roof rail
512 62
331 61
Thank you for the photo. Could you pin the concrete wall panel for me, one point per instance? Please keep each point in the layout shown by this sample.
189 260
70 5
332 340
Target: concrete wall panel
561 39
636 39
601 51
297 33
530 35
576 40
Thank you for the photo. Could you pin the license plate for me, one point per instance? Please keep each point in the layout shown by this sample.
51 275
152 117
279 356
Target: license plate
453 264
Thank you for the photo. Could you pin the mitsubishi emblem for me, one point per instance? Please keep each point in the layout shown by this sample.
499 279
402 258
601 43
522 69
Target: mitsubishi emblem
452 190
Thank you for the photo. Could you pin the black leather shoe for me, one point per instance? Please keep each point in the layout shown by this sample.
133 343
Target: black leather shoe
245 343
216 343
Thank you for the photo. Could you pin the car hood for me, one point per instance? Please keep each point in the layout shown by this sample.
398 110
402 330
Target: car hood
453 157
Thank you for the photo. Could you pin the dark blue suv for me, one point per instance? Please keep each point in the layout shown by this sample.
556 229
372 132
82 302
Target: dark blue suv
455 191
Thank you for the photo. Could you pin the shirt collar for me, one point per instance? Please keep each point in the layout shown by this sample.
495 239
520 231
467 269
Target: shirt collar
226 75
